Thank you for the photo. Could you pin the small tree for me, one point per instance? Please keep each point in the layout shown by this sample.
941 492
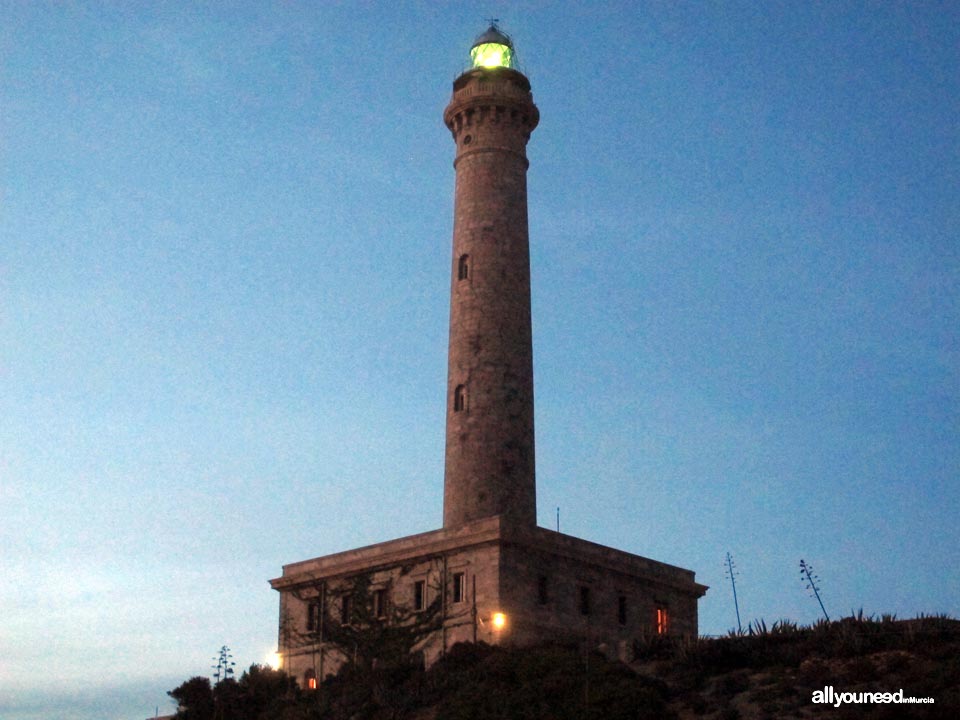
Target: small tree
261 694
265 693
369 636
194 699
366 640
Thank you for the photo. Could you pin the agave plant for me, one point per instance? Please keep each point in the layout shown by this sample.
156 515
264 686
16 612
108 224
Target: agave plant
807 576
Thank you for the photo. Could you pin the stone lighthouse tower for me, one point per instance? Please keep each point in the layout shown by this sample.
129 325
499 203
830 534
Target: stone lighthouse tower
489 574
489 464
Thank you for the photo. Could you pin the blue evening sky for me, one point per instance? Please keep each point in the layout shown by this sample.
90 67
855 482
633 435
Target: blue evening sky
224 269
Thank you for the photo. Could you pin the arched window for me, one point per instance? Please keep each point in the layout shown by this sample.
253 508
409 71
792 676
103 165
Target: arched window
460 399
463 267
310 680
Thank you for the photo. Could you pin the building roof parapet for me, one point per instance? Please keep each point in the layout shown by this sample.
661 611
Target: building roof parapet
403 549
484 531
607 557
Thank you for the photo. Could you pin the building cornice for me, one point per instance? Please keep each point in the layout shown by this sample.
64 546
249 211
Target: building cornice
387 554
487 531
608 558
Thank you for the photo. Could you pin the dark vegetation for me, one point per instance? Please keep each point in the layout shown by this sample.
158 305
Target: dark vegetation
771 672
764 672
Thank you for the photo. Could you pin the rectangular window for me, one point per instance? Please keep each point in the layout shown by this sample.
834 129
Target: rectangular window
542 594
663 621
346 610
380 604
419 595
622 610
584 600
459 587
313 617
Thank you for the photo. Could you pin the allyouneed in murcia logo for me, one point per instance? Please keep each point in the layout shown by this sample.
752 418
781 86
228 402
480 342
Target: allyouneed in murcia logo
829 697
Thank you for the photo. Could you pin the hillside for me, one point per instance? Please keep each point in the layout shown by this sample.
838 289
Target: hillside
766 673
774 672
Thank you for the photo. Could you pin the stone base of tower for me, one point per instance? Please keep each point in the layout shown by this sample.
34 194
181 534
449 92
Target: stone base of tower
484 581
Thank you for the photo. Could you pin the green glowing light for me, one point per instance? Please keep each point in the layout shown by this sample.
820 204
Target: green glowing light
491 55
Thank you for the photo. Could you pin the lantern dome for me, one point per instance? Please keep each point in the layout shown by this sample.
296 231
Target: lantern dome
492 49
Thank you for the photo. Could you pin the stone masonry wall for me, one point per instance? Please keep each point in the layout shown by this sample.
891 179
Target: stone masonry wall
489 463
302 643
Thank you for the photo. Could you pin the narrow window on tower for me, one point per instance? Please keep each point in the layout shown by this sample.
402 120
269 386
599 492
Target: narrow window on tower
460 398
419 595
310 680
380 604
663 621
463 267
622 610
345 610
584 600
542 594
459 587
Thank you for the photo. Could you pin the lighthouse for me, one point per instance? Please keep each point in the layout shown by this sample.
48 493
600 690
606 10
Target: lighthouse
489 574
489 462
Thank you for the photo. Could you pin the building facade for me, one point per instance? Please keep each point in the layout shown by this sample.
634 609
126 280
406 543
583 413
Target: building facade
489 574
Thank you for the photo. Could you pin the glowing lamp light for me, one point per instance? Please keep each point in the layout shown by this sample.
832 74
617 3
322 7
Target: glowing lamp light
491 55
492 49
499 620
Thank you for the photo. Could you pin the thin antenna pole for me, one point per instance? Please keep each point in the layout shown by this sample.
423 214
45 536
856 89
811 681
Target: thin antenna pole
558 519
733 584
